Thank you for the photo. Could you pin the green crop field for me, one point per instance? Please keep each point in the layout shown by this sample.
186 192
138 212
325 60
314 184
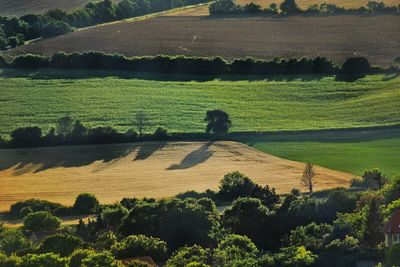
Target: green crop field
283 103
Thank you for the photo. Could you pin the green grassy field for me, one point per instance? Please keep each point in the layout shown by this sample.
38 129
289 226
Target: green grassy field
350 151
284 103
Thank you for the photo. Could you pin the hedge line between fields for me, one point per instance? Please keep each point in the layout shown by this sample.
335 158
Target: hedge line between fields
290 8
353 67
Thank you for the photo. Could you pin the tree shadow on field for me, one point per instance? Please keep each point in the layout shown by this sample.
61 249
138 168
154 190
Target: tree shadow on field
35 160
194 158
146 150
75 74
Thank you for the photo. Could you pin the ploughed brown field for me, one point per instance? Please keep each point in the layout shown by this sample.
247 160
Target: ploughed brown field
336 37
155 169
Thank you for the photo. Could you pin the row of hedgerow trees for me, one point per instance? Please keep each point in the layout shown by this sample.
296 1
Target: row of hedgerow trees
195 65
259 228
14 31
290 7
72 132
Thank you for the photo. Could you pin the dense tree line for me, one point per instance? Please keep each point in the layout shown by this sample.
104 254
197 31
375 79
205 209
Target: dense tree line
70 132
289 7
195 65
259 228
14 31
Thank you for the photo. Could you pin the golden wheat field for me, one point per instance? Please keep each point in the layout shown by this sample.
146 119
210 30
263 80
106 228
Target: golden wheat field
156 169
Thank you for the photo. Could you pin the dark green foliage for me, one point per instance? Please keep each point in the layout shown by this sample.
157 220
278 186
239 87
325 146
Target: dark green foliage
393 255
373 179
289 7
13 241
294 257
266 195
356 65
113 216
41 221
234 185
139 246
249 217
349 224
17 209
373 224
194 65
86 203
235 250
30 61
16 40
340 253
8 261
186 255
392 190
62 244
55 28
178 222
223 7
312 236
105 241
101 259
139 263
78 256
43 260
26 137
218 122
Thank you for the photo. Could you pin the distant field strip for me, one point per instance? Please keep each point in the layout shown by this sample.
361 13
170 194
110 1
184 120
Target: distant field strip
158 169
306 3
284 103
24 7
335 37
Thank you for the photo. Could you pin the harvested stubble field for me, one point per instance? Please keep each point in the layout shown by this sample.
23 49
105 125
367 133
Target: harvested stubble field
157 169
336 37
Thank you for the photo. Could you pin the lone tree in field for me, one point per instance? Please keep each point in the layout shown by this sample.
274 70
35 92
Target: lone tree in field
64 126
218 122
308 177
141 122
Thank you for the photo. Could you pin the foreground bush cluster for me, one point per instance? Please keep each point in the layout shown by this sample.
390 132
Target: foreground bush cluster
357 66
14 31
258 228
289 7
